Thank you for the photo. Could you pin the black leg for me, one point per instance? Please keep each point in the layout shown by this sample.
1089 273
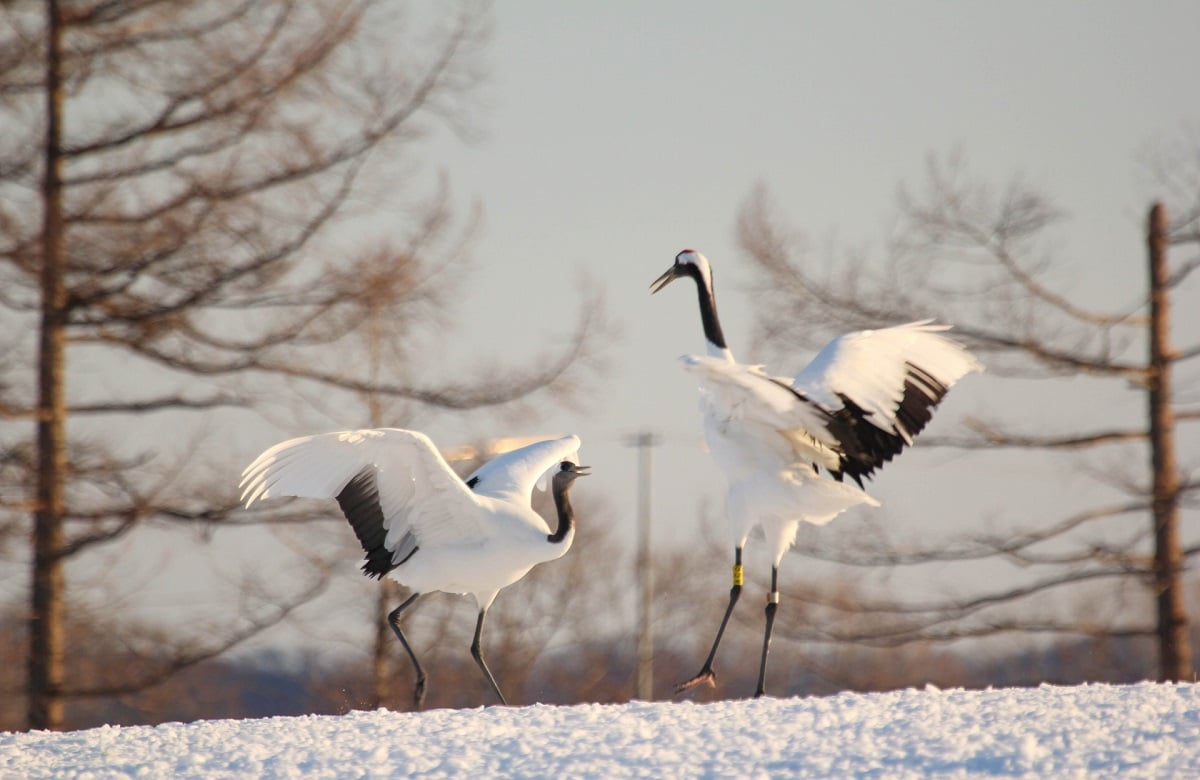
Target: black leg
477 654
772 605
706 673
394 622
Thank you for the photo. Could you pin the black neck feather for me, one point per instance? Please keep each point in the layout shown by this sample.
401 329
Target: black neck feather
566 517
708 309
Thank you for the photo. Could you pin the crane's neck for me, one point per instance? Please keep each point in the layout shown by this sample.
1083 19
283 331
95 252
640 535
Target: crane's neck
566 518
708 317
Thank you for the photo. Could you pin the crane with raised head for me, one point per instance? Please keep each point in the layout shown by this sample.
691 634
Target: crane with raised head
859 402
420 523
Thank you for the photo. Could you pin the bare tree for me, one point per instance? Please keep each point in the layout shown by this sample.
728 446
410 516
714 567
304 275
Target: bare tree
983 260
179 184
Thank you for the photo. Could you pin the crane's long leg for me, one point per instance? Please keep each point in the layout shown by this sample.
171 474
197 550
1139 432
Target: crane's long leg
772 605
477 654
706 673
394 622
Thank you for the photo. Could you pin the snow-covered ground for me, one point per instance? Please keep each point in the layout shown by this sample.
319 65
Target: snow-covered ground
1145 730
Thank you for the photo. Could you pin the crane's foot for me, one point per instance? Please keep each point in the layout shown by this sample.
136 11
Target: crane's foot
706 677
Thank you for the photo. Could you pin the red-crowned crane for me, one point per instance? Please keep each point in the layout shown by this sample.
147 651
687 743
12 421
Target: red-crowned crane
861 400
421 524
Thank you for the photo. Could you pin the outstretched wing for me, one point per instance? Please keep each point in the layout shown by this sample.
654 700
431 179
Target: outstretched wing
883 385
393 486
511 476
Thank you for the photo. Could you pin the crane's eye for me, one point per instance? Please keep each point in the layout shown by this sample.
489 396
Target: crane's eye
566 466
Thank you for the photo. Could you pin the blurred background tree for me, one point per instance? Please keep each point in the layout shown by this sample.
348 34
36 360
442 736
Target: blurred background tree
173 174
983 258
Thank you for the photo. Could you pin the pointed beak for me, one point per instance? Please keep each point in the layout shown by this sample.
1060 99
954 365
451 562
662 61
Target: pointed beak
581 471
671 275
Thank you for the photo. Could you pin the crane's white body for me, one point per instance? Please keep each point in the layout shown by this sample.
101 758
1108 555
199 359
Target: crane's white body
442 534
767 433
758 439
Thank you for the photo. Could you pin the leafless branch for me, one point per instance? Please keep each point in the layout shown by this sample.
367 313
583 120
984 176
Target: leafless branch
190 652
992 436
164 403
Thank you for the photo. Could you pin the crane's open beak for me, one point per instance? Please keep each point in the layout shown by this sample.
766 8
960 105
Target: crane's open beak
581 471
671 275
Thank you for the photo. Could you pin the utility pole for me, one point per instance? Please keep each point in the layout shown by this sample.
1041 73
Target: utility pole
644 441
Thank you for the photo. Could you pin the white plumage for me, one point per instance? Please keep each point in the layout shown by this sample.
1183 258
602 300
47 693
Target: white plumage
855 406
872 367
421 524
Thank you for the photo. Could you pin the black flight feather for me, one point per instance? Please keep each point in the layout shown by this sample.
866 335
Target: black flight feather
359 501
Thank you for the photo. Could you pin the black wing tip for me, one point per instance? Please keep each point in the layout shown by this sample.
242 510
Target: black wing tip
922 394
359 501
377 567
379 562
866 447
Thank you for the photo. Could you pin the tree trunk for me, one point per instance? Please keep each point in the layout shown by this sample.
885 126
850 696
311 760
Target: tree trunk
1175 652
46 619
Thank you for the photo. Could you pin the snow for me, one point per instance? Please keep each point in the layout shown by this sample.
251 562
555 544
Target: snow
1144 730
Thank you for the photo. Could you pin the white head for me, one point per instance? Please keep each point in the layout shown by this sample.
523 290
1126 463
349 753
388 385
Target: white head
691 263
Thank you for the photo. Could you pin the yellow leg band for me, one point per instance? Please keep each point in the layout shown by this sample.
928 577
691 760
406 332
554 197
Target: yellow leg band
737 574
